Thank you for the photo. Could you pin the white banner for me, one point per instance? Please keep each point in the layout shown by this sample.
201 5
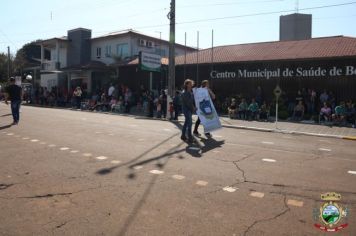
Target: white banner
205 110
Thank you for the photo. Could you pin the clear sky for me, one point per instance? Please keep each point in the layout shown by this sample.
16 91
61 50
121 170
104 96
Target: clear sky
23 21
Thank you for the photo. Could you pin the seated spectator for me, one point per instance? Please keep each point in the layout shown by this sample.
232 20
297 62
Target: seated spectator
350 113
253 110
340 113
242 113
264 112
232 109
112 103
299 110
325 113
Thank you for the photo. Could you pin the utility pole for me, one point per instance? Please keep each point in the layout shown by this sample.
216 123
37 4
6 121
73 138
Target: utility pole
8 63
172 43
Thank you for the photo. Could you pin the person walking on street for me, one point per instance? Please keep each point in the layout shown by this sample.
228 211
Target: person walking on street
77 94
14 93
204 84
188 109
177 105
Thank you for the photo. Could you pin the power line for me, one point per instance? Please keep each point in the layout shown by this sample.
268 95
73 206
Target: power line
229 17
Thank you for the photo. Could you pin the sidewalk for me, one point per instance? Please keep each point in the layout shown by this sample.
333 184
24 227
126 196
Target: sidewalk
292 128
282 127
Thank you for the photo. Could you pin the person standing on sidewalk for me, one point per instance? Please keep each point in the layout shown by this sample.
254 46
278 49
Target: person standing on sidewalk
14 93
204 84
188 109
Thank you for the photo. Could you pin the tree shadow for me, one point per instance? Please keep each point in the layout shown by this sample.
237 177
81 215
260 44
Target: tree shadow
109 170
5 127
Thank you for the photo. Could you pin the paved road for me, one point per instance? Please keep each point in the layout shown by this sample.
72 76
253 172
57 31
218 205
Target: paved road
65 172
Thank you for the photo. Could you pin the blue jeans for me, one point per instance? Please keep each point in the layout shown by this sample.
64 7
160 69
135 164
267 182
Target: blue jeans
187 127
15 110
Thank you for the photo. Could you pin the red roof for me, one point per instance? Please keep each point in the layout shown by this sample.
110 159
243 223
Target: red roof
328 47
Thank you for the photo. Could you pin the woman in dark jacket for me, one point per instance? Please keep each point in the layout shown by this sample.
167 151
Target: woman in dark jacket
188 108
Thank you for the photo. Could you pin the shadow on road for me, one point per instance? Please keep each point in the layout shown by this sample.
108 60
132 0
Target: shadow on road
106 171
5 127
6 115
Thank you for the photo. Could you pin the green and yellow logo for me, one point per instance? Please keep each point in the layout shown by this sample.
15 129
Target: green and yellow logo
330 215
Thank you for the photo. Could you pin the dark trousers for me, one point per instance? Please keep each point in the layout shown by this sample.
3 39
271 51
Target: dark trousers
187 127
197 123
15 110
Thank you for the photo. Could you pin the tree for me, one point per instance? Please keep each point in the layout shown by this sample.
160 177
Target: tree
3 67
25 57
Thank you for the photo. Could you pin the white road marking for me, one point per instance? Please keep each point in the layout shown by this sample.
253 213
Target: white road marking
42 143
351 172
133 125
230 189
257 194
218 136
269 143
216 151
87 154
167 130
295 203
157 172
101 158
115 162
64 148
325 149
242 132
141 140
34 140
268 160
25 138
84 118
74 151
178 177
3 132
324 141
137 167
111 134
10 134
201 183
51 145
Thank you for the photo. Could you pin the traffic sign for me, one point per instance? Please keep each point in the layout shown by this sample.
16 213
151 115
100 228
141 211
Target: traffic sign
277 91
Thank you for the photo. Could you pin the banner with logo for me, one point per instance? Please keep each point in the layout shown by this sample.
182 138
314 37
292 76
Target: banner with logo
205 110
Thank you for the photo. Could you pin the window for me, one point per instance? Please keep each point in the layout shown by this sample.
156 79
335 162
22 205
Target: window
122 50
98 52
161 52
108 51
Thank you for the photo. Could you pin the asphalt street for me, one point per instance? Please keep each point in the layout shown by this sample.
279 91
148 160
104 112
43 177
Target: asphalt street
66 172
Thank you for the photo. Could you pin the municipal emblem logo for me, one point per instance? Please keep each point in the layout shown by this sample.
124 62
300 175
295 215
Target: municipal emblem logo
330 216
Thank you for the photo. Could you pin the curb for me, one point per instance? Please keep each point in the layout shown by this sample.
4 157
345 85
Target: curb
351 138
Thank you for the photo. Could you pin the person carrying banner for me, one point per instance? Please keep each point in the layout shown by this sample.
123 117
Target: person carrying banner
188 108
204 84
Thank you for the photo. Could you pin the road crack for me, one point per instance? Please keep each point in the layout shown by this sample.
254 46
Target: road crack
287 209
5 186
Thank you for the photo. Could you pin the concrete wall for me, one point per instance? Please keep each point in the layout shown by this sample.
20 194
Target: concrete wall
79 46
295 27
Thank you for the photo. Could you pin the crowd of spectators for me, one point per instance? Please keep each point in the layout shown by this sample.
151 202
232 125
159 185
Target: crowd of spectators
306 104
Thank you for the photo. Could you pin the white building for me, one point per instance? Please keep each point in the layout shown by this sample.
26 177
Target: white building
80 60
